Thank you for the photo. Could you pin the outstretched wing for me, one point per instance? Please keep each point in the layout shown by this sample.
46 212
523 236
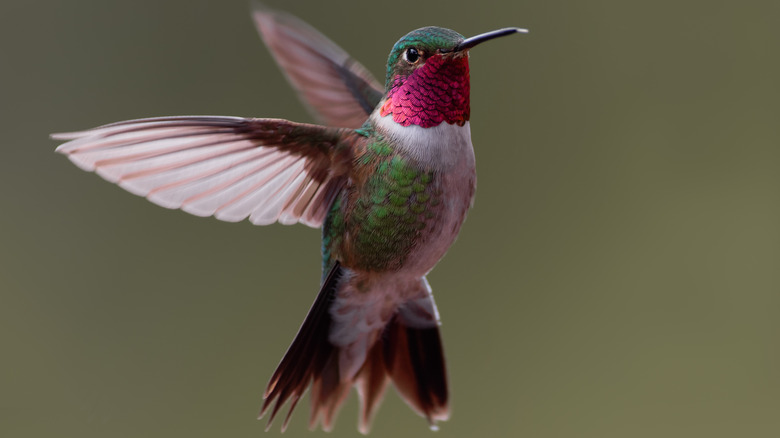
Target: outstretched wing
338 90
232 168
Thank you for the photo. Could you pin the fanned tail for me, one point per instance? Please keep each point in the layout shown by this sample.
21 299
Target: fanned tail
310 357
405 348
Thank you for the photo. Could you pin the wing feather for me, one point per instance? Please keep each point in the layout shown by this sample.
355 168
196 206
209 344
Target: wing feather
337 90
232 168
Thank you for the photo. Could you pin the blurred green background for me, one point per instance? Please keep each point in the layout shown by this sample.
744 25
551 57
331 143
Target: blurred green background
618 276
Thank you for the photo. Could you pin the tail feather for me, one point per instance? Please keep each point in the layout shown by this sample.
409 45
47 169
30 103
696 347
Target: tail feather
371 384
406 350
415 361
307 356
328 393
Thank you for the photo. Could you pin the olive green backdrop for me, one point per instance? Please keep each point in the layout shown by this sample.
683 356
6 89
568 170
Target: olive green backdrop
618 276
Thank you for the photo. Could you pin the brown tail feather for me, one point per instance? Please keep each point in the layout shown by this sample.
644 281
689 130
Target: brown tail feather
328 393
415 361
371 384
407 351
308 355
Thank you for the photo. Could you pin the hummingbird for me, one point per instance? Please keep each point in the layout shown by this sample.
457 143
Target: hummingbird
388 174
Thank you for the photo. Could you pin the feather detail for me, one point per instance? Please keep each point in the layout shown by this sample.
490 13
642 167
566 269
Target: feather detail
310 357
415 362
337 90
364 339
231 168
371 385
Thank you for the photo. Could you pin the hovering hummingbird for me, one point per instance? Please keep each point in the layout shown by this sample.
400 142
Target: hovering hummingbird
389 178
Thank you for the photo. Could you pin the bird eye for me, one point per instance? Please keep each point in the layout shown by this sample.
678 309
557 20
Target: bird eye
411 55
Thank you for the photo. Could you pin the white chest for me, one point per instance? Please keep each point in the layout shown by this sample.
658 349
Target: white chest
446 147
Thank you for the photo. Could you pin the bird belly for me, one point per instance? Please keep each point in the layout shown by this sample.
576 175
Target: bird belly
457 192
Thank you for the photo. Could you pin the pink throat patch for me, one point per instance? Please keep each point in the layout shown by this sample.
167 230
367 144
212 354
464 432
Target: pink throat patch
434 93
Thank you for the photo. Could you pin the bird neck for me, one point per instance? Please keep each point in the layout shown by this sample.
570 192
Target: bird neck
436 92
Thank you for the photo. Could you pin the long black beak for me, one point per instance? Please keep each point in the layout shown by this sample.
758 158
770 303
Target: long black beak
481 38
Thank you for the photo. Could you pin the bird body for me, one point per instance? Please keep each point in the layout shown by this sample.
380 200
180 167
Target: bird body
402 210
390 183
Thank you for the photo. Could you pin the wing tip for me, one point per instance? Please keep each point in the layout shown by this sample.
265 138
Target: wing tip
222 215
65 136
262 14
82 164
